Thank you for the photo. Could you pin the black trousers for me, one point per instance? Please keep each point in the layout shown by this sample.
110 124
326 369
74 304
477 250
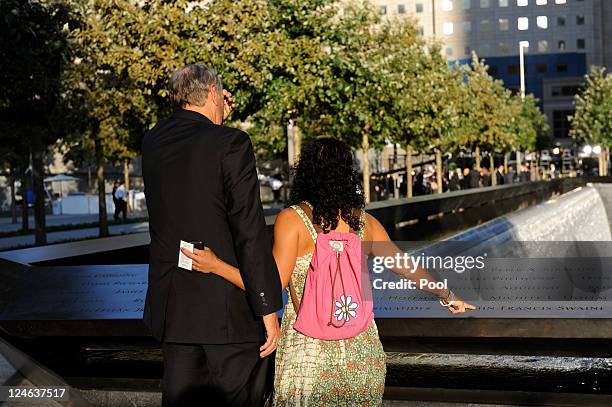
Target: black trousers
120 207
215 375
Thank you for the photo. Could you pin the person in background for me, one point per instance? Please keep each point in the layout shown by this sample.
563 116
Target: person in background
465 181
453 178
524 175
417 184
553 171
486 177
276 184
509 176
115 203
475 178
119 198
499 175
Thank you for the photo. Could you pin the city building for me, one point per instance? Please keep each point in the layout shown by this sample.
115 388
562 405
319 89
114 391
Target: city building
561 40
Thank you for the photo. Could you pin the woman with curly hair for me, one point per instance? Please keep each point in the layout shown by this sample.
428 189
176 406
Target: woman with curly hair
327 196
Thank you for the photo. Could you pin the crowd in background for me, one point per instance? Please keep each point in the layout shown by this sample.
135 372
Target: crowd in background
425 179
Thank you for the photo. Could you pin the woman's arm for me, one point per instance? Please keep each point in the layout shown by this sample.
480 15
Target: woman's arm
286 243
384 247
206 261
285 252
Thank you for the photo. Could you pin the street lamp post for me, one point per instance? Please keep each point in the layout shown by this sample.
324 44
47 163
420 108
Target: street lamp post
522 46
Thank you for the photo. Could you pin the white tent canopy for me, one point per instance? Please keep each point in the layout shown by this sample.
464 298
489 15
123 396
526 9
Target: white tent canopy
61 178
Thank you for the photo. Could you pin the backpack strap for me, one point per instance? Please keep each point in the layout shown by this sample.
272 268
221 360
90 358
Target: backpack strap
313 235
306 220
362 221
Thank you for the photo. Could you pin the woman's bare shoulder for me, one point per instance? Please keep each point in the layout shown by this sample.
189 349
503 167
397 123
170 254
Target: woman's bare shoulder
288 218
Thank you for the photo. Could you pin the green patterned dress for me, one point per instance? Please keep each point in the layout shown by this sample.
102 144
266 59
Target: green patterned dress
315 372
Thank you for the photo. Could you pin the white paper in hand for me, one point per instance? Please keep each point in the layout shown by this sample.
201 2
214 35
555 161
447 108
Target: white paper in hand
185 262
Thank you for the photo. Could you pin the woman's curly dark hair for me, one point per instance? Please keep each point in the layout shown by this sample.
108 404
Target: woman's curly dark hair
326 176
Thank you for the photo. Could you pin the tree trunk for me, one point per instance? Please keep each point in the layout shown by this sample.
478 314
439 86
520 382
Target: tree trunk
477 153
439 173
13 203
365 146
297 142
25 221
89 187
126 180
38 174
519 161
409 171
102 219
506 157
492 170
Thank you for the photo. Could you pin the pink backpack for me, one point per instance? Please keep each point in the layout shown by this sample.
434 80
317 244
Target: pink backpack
337 299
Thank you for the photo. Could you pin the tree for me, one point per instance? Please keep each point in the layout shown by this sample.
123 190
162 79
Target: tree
33 48
125 52
490 114
592 122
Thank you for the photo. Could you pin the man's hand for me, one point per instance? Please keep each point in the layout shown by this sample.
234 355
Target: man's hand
228 104
272 334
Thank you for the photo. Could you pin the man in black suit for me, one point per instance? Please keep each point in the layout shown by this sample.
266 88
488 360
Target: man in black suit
201 185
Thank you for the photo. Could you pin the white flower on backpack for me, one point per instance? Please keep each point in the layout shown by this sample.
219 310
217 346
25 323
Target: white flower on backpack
345 308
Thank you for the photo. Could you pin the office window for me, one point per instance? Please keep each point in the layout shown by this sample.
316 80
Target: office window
560 1
561 124
541 2
504 48
561 45
561 21
485 26
522 23
561 67
542 22
579 20
580 43
541 68
421 30
484 3
401 9
467 26
493 71
504 24
542 46
522 3
383 10
503 3
419 7
466 4
447 28
449 51
567 90
447 5
467 50
513 69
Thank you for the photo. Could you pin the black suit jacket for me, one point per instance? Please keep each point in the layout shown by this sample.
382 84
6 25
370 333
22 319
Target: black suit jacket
201 184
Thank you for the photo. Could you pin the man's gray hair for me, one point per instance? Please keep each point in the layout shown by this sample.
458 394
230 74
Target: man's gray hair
190 84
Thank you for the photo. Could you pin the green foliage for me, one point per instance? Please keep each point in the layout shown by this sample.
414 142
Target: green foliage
33 50
342 73
592 122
